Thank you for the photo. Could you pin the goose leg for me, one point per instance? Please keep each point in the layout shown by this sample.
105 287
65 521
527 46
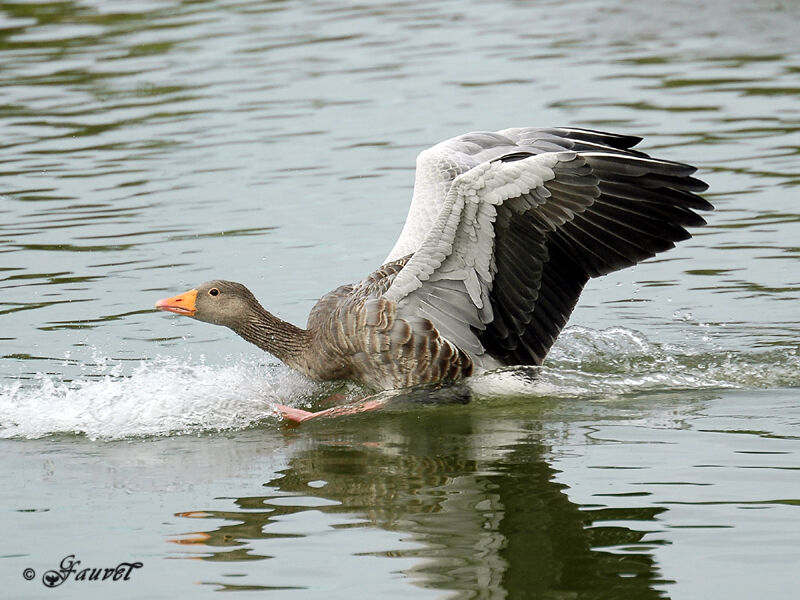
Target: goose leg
373 402
424 394
298 415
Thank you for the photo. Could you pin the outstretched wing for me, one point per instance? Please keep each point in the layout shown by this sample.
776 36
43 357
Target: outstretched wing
439 165
516 239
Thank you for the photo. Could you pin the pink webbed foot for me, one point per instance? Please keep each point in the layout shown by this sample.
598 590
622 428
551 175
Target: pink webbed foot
298 415
295 415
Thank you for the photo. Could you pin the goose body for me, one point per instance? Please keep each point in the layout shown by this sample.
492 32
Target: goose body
504 230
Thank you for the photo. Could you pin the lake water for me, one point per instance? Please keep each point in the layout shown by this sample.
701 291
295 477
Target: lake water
149 146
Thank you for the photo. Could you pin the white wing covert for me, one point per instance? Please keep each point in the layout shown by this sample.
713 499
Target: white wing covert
499 268
449 279
439 165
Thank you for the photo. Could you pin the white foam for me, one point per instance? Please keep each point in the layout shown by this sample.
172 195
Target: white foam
160 397
615 361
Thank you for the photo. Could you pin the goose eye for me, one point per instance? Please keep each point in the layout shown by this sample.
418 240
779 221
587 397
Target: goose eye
213 292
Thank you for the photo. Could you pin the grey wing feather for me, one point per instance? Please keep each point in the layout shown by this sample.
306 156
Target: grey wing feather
457 254
439 165
515 237
633 208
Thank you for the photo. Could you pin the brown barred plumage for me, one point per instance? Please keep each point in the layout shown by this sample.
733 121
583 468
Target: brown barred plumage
355 326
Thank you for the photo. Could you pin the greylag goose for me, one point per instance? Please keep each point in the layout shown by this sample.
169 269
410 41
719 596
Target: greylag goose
505 229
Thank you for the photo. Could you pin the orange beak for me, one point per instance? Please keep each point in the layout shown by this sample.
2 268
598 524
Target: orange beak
182 304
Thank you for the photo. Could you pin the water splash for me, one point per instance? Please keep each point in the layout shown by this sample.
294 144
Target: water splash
616 361
160 397
171 396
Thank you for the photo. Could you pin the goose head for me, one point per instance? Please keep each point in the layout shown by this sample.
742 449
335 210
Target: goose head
220 302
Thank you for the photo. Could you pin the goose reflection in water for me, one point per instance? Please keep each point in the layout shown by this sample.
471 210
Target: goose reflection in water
492 517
